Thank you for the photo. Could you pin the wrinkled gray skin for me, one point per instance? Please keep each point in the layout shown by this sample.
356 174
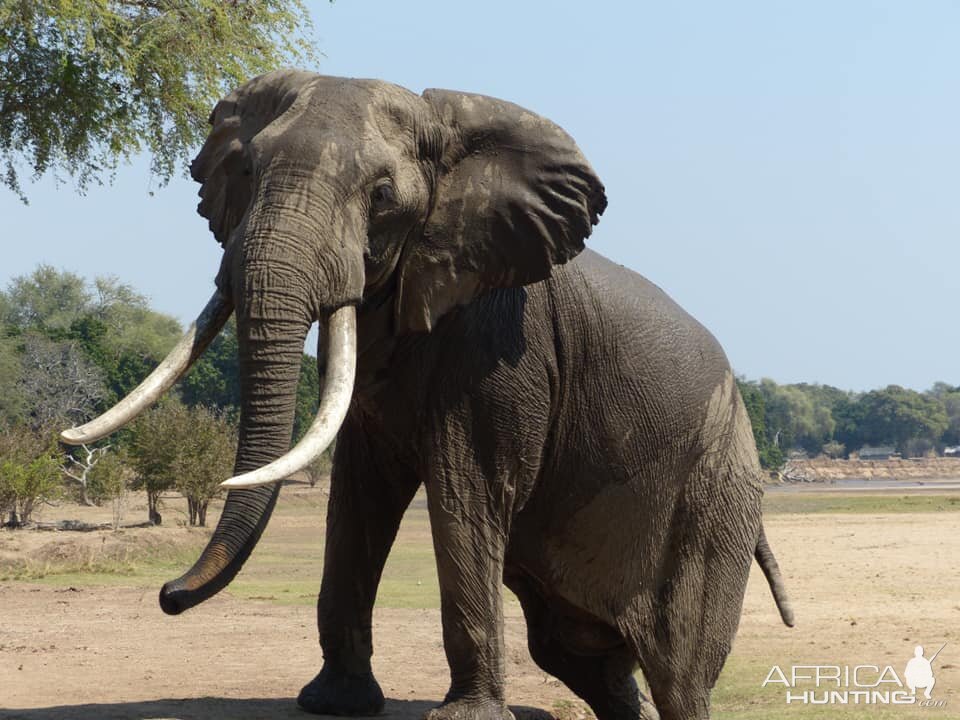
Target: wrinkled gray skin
580 437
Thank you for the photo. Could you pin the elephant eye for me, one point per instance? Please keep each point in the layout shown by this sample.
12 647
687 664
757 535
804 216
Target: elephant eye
383 197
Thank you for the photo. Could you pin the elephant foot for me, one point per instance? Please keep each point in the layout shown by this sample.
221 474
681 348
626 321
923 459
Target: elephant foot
467 710
335 692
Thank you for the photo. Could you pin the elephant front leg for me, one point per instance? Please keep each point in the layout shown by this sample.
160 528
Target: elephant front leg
367 501
469 545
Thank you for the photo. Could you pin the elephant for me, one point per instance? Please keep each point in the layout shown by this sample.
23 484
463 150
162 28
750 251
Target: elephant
580 438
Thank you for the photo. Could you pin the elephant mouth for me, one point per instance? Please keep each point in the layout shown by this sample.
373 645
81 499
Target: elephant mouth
334 399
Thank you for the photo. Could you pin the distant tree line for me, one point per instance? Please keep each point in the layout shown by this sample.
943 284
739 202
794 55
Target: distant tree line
824 420
69 349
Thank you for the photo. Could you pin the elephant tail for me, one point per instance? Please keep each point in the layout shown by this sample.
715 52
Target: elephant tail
768 563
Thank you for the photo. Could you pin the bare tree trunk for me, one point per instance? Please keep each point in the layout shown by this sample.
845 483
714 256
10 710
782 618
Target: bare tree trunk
202 513
118 505
153 499
26 509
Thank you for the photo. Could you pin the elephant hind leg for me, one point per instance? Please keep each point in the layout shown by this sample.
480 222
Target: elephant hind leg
685 635
600 671
682 658
680 668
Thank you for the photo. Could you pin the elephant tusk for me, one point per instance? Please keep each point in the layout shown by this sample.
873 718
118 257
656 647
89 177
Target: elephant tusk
334 403
191 346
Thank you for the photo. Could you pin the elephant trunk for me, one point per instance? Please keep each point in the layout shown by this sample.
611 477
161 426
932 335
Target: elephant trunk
290 264
273 317
334 403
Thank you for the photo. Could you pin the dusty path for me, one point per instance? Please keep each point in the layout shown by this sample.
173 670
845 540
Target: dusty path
110 653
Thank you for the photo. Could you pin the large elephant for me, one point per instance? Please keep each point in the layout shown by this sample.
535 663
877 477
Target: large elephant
580 437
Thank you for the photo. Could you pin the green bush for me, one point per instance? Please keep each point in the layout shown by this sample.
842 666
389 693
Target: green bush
109 478
190 449
29 474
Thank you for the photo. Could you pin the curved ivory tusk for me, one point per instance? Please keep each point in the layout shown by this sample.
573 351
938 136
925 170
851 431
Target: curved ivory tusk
334 402
191 346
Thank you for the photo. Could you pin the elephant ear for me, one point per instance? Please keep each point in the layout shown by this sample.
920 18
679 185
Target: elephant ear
513 197
223 165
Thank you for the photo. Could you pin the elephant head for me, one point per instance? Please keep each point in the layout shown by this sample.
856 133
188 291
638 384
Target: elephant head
323 192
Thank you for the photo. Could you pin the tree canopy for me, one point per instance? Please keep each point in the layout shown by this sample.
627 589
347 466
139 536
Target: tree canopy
819 419
79 345
191 449
86 84
69 348
83 345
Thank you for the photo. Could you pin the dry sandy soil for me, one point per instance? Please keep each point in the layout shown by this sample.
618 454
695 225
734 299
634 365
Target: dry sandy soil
866 588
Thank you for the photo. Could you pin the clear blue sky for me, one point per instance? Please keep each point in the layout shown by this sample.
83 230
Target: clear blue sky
787 171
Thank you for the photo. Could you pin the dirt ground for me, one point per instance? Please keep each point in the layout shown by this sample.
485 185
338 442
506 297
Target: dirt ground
866 589
89 654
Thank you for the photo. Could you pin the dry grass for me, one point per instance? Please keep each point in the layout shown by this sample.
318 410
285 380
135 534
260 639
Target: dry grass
34 555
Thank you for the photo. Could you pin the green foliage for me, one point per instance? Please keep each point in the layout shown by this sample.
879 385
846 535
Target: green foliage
190 449
790 417
214 380
822 419
70 349
913 421
4 309
85 84
131 326
205 459
308 397
109 323
29 473
110 478
48 300
950 397
13 402
126 347
848 414
153 451
771 457
122 335
796 417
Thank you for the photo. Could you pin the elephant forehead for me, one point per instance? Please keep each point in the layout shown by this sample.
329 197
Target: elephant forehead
338 124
